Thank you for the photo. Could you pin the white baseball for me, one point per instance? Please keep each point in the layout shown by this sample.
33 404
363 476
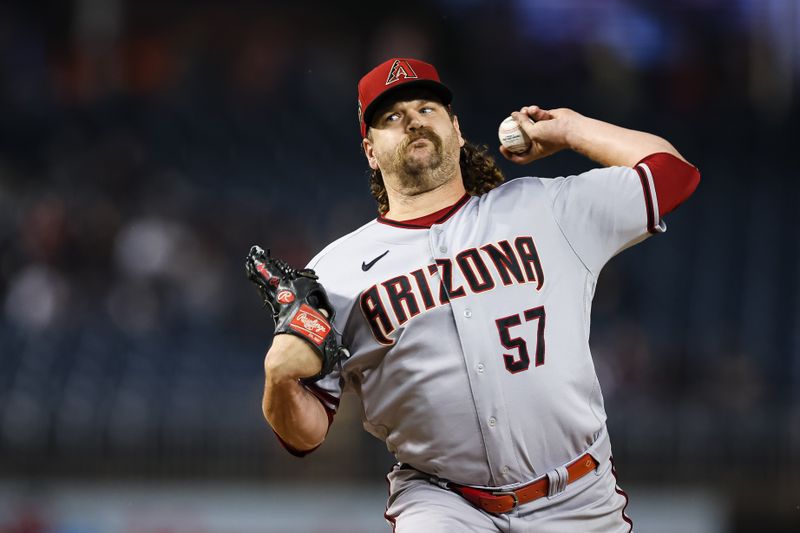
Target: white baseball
513 137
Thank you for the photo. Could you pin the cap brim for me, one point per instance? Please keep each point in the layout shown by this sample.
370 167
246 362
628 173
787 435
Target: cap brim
440 90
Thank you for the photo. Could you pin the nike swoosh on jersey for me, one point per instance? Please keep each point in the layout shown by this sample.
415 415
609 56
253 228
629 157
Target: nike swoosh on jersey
367 266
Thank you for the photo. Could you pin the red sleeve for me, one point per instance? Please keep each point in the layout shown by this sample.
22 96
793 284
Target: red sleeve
325 399
674 180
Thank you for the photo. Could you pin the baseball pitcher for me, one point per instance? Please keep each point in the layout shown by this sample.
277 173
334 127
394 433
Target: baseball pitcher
460 316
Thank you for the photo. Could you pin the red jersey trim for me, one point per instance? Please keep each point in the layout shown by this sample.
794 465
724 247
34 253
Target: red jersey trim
428 220
673 180
325 396
648 198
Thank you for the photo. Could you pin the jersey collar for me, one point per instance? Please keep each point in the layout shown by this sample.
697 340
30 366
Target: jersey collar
427 221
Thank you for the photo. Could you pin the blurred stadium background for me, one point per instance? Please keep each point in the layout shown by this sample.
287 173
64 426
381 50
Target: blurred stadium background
145 145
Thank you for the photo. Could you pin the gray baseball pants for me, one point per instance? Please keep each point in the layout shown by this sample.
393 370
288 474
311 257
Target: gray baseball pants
593 503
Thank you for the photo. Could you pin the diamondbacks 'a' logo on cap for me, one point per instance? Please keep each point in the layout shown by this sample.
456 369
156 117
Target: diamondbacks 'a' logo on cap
400 69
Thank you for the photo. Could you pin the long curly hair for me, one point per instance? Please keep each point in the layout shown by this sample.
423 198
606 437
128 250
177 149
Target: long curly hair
478 169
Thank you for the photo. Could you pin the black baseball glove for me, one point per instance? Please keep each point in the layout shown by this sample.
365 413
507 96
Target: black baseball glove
297 301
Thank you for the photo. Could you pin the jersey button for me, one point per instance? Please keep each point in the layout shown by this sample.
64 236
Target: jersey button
504 470
479 367
443 249
492 421
468 313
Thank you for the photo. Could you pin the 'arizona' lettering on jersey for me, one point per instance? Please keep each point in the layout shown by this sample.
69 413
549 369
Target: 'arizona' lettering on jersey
517 263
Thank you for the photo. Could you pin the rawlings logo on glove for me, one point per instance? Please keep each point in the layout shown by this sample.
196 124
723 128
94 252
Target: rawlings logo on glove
311 325
285 297
299 304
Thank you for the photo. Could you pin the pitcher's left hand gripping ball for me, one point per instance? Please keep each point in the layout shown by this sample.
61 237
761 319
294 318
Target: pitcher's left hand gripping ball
297 300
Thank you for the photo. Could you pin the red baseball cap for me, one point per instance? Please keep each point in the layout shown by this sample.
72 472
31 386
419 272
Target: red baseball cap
391 75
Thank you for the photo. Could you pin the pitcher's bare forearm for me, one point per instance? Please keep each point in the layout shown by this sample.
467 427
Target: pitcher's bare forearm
612 145
295 414
558 129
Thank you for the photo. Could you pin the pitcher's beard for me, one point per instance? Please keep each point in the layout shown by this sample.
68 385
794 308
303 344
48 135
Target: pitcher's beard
418 174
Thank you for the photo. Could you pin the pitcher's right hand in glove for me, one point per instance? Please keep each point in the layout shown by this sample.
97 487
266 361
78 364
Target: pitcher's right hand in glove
300 306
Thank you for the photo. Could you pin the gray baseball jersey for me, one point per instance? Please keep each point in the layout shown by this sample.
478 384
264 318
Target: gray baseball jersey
469 328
